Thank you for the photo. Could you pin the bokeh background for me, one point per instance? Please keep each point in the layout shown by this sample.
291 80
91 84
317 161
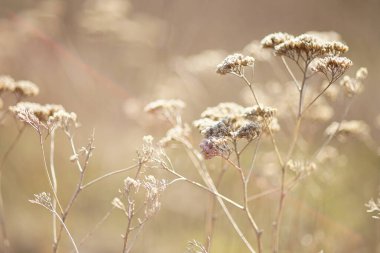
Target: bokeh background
105 60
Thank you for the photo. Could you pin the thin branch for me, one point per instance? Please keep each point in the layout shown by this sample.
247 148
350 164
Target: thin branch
92 182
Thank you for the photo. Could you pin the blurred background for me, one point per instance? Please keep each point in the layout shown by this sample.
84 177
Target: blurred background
105 60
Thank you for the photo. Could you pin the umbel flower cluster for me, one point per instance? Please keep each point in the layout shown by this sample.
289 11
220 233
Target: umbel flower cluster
46 116
306 48
19 88
229 122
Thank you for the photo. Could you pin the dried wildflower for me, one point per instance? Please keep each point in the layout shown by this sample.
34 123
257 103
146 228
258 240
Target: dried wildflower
26 89
63 119
131 184
332 67
148 150
223 110
44 200
232 121
215 147
7 84
234 64
249 131
348 128
168 109
219 129
301 168
48 116
309 47
373 206
259 112
354 86
153 188
42 112
176 133
274 39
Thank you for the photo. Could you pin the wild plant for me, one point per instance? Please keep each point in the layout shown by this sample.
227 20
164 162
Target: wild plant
247 140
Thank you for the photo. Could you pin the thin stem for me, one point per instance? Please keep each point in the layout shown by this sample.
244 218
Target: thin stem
92 182
316 98
266 123
97 225
55 185
216 193
78 189
128 230
249 175
202 170
278 219
291 73
68 232
47 171
252 222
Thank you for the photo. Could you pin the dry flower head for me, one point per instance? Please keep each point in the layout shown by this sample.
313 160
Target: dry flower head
235 64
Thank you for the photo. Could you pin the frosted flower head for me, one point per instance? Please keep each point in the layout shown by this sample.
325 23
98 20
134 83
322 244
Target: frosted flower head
274 39
332 67
259 112
219 129
232 121
26 89
153 188
42 112
44 200
176 133
7 84
250 130
212 147
131 184
48 116
309 47
234 64
223 110
63 119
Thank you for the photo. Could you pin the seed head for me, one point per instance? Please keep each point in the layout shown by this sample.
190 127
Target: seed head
274 39
215 147
234 64
332 67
